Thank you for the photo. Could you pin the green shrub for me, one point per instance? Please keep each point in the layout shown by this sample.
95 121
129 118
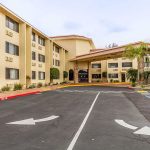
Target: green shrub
116 81
54 73
18 87
111 80
39 85
133 84
65 74
32 86
5 88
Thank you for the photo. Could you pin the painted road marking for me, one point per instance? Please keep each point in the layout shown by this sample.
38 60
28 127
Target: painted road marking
124 124
105 92
75 138
31 121
145 93
143 131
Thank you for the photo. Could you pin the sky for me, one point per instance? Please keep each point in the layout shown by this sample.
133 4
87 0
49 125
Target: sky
105 21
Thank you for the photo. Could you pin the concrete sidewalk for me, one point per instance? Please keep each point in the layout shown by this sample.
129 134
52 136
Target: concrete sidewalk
25 92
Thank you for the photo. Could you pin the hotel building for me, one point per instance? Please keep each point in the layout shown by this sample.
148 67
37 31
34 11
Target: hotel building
27 54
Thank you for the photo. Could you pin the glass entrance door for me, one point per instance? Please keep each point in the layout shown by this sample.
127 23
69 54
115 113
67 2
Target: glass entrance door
83 76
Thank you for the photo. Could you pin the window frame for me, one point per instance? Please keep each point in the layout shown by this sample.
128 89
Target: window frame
8 75
12 24
112 66
14 50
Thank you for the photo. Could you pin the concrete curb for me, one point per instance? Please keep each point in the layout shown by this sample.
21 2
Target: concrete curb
19 95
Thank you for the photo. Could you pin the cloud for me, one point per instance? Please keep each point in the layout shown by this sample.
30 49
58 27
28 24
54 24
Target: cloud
106 21
112 27
72 26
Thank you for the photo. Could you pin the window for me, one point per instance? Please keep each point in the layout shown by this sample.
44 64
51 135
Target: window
57 49
12 74
41 41
33 56
41 58
41 75
113 65
127 64
11 24
53 61
57 62
96 65
113 75
33 75
11 49
33 37
96 76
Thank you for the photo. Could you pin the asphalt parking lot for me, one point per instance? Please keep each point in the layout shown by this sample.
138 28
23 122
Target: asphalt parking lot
76 118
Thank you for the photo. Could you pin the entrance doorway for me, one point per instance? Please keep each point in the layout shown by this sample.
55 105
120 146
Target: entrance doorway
123 77
83 76
71 75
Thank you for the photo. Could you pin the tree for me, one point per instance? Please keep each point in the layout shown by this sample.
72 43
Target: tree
65 74
54 73
139 52
132 75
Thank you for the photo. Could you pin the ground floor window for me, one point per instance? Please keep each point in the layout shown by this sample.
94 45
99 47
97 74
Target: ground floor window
113 75
33 75
12 73
71 75
41 75
96 76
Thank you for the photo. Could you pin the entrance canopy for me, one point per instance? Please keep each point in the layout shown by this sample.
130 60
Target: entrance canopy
103 54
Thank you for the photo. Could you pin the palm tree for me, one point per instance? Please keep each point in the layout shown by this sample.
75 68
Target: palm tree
132 75
138 52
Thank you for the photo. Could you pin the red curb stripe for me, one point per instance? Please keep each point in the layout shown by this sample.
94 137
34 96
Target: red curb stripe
19 95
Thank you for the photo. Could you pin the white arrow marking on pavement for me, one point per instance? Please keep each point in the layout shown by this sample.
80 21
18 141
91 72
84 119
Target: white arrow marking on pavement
31 121
143 131
124 124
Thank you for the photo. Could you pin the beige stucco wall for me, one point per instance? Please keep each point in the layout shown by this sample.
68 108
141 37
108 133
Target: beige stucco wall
120 69
15 62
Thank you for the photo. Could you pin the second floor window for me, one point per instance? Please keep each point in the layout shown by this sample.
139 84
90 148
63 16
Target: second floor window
127 64
41 41
33 37
11 24
12 74
41 58
33 56
12 49
96 65
113 65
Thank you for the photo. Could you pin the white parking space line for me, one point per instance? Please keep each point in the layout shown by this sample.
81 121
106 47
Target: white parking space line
124 124
75 138
91 91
